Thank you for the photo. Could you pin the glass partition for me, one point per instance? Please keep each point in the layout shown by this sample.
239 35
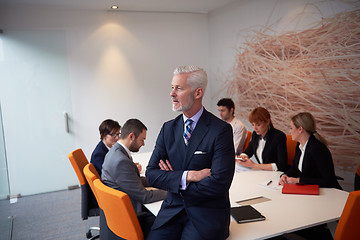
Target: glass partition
5 213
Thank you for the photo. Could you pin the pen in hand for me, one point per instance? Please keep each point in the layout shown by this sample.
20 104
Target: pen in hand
269 183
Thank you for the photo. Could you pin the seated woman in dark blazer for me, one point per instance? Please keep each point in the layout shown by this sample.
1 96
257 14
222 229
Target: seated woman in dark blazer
267 143
109 135
312 163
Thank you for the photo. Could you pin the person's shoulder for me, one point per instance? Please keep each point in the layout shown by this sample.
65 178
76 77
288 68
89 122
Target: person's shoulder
116 146
173 121
214 119
278 132
100 145
238 122
316 148
314 143
99 149
216 123
113 150
116 154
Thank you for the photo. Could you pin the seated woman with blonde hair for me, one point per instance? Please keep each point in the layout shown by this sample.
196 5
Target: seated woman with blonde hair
312 163
267 143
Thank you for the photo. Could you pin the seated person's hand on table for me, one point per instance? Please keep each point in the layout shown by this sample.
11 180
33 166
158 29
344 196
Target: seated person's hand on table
290 180
244 161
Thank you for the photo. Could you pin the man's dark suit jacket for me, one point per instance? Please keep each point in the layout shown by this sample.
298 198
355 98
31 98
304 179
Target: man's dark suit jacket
274 150
98 156
206 202
318 166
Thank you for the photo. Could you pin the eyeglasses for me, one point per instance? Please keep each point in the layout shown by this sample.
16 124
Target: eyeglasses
114 135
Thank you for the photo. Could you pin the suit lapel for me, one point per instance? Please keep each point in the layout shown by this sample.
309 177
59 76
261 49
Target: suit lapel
122 149
255 146
269 138
179 143
124 152
197 136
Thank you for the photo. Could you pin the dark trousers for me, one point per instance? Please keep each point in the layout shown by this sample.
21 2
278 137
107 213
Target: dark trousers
178 228
146 220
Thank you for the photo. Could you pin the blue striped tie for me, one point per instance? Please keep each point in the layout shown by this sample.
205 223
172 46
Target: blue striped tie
187 131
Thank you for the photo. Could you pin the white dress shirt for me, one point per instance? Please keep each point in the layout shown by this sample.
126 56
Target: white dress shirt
195 120
239 133
301 160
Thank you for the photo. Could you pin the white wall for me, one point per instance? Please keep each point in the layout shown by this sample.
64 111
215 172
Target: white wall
120 66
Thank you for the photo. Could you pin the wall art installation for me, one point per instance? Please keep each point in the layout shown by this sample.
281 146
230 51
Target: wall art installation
315 70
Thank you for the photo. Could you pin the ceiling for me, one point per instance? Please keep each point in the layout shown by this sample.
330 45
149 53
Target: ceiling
188 6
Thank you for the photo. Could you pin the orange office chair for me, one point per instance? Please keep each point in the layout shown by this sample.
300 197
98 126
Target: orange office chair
357 179
117 215
290 147
348 226
89 206
91 174
247 141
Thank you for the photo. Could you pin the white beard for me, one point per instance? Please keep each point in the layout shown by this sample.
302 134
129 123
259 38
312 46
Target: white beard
184 108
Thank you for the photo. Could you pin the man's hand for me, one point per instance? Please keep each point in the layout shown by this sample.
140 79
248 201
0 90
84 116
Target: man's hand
165 165
192 175
139 166
196 176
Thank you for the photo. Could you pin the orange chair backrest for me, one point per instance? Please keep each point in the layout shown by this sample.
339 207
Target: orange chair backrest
291 148
91 175
247 141
78 161
119 212
348 226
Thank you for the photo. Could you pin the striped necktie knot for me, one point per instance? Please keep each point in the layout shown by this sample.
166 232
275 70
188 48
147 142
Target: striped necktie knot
187 131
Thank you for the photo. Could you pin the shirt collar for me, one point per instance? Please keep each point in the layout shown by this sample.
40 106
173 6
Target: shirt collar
196 117
266 135
126 149
302 148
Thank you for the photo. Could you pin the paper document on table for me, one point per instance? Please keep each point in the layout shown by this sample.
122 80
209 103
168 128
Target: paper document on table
239 168
271 184
252 201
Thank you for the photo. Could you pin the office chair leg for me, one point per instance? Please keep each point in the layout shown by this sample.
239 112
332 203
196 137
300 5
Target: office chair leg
90 236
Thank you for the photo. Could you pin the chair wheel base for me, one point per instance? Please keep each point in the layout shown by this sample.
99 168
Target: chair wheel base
88 234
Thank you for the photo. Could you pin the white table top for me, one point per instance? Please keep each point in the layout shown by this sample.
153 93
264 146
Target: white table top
143 159
284 212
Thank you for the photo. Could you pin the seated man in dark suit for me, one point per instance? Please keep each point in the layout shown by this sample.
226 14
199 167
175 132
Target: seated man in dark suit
121 173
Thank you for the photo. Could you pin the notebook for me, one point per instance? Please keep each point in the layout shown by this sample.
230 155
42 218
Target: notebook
301 189
245 214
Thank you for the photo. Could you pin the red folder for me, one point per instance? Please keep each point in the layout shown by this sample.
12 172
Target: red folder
301 189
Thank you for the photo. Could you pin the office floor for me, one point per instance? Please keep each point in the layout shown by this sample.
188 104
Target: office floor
50 216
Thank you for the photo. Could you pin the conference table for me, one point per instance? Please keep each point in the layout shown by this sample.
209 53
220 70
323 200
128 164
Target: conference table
284 212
